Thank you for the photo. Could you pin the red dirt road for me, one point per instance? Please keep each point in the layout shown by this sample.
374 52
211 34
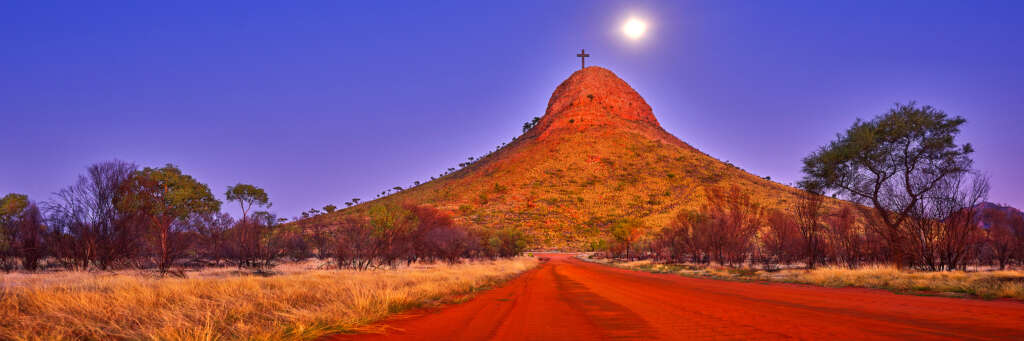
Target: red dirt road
569 299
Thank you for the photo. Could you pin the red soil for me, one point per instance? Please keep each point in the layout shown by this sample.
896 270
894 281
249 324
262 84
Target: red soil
569 299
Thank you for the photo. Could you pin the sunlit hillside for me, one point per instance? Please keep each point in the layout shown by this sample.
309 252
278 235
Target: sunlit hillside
598 155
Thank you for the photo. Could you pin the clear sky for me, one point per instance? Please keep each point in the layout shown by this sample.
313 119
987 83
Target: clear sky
320 102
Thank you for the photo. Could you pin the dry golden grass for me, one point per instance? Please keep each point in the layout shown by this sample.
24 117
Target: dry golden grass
300 305
983 284
986 284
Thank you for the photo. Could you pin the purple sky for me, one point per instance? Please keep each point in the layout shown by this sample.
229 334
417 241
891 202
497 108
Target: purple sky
334 100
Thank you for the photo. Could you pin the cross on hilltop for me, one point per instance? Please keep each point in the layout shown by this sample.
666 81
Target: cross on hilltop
583 56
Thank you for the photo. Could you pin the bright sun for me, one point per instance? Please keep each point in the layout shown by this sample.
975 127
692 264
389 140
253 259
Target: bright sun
634 28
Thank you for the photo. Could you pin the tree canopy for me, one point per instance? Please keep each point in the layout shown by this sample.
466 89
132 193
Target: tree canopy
164 196
247 196
12 204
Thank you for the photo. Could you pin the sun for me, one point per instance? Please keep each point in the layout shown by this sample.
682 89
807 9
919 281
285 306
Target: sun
634 28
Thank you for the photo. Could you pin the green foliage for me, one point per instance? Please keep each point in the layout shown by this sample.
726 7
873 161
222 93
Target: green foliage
167 192
11 205
247 196
390 219
906 143
163 196
894 163
529 125
330 208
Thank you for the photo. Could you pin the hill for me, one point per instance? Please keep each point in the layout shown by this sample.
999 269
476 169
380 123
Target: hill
597 155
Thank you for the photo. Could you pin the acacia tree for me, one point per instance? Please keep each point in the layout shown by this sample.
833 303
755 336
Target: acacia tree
891 163
166 198
247 196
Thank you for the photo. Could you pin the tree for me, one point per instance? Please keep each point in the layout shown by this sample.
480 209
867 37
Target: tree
247 196
891 163
391 224
11 207
943 226
846 240
330 208
532 123
94 229
626 233
21 233
733 217
355 201
166 197
213 228
780 241
1003 234
808 217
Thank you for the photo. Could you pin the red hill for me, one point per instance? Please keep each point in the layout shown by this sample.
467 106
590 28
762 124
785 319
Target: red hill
597 155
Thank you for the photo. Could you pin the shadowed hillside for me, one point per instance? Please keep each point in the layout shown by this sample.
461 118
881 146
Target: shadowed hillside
597 156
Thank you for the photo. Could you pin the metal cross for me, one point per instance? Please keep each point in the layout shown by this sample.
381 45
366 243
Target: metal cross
583 57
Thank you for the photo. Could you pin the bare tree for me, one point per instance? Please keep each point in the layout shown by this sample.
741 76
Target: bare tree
212 228
733 218
780 242
809 210
28 238
96 230
1003 234
943 226
846 240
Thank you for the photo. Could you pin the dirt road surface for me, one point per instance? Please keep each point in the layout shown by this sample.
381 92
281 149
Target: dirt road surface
570 299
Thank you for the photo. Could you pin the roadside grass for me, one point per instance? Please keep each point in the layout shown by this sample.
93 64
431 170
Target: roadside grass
978 284
297 305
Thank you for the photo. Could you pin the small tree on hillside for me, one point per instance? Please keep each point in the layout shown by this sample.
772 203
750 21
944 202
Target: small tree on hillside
532 123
